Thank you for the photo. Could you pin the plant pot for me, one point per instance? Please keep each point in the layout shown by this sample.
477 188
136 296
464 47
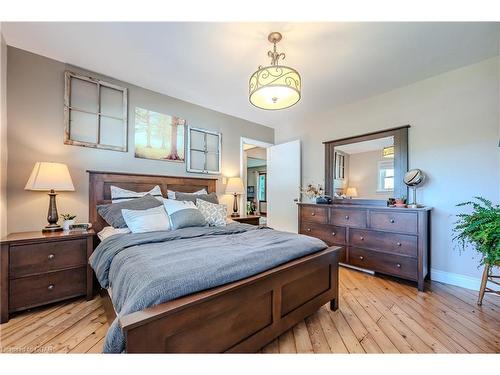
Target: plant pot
67 223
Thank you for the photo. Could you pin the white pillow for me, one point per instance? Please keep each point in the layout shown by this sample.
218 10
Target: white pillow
215 214
110 231
150 220
171 193
122 195
183 214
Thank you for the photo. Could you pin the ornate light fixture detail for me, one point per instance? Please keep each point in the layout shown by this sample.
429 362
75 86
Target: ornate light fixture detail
275 86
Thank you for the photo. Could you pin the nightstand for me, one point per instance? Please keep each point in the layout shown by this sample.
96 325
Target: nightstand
247 219
40 268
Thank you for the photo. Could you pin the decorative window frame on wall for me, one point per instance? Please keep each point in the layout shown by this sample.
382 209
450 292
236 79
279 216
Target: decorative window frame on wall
204 149
68 109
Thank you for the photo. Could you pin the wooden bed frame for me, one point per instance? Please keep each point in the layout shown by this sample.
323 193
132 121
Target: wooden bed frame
239 317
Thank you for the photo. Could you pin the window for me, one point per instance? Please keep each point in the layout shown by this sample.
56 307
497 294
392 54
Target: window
95 113
385 176
262 187
339 173
203 151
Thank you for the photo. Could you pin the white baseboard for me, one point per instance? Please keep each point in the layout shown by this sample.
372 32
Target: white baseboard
455 279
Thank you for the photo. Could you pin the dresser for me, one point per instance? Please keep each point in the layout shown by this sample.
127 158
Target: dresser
387 240
40 268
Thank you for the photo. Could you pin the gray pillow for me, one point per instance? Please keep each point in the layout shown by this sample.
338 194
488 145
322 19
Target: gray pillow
183 214
112 212
212 197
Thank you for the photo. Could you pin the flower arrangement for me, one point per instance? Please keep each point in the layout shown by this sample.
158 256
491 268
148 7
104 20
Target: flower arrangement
68 216
312 191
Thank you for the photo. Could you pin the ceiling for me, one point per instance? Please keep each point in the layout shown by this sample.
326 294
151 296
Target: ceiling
366 146
210 63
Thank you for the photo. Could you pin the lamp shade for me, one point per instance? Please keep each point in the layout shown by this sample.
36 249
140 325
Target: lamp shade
47 176
235 186
351 192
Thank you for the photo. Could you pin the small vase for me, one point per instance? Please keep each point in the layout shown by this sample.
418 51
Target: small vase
67 223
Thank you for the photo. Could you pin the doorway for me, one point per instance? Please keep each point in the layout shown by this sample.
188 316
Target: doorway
254 175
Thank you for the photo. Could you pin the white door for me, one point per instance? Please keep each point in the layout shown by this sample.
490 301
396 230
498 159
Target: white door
283 186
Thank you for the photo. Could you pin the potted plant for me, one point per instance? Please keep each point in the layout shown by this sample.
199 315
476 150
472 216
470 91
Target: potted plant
68 219
481 229
400 202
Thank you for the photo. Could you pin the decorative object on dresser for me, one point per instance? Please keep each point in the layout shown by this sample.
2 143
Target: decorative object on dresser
351 192
414 178
235 186
50 177
392 241
247 219
40 268
68 220
481 229
312 192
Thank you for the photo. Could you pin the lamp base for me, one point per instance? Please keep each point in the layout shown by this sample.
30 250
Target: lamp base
235 214
52 228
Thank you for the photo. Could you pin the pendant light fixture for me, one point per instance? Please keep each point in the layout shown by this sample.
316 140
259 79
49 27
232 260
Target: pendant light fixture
274 86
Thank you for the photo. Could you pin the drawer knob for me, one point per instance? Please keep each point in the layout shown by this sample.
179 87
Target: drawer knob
392 220
398 265
51 256
361 257
362 238
51 287
347 217
308 229
333 233
399 244
313 213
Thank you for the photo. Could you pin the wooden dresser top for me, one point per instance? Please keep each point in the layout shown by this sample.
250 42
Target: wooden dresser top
372 206
39 236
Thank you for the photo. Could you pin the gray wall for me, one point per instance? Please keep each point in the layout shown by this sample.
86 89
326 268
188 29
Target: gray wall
35 87
454 135
3 135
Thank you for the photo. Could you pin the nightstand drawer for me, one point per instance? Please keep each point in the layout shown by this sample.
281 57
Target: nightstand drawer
50 287
45 257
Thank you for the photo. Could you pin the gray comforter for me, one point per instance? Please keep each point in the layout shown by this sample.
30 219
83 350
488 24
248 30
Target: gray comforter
146 269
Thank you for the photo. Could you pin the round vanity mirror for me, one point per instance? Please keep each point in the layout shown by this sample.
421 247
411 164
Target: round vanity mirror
414 178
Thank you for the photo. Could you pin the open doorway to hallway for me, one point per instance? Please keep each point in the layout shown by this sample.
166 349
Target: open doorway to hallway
254 175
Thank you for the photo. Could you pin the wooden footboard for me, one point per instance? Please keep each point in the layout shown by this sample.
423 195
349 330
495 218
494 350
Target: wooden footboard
238 317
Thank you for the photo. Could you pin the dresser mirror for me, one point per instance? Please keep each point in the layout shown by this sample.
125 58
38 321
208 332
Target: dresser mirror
367 169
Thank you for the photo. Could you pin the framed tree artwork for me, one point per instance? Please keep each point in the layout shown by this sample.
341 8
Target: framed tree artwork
159 136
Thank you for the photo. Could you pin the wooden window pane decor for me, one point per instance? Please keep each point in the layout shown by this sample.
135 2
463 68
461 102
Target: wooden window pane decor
204 151
95 113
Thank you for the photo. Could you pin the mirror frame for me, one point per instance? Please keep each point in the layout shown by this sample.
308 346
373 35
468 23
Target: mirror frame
400 135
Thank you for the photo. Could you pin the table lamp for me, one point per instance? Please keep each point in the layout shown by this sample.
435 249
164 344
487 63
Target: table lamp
50 177
235 186
351 192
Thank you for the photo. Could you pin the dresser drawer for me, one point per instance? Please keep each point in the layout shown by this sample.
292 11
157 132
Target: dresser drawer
390 242
405 222
46 257
331 234
348 217
50 287
395 265
314 214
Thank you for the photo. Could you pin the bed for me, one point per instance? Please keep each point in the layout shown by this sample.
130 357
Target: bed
240 316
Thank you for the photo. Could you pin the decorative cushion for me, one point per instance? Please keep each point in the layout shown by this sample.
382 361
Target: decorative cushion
110 231
122 195
171 193
183 214
214 214
150 220
212 197
112 212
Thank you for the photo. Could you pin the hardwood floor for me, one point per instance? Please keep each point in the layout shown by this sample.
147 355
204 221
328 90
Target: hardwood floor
376 315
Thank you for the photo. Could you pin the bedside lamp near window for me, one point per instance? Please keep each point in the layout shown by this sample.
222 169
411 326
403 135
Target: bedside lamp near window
50 177
235 186
351 192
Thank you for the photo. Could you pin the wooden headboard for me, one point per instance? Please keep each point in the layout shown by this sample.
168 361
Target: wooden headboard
100 188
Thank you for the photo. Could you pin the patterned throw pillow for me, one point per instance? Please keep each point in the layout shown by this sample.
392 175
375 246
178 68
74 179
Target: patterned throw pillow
214 214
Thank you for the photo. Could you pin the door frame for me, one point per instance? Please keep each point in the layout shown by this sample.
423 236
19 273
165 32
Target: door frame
243 167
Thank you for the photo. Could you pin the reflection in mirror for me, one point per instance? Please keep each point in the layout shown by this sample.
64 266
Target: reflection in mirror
364 170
